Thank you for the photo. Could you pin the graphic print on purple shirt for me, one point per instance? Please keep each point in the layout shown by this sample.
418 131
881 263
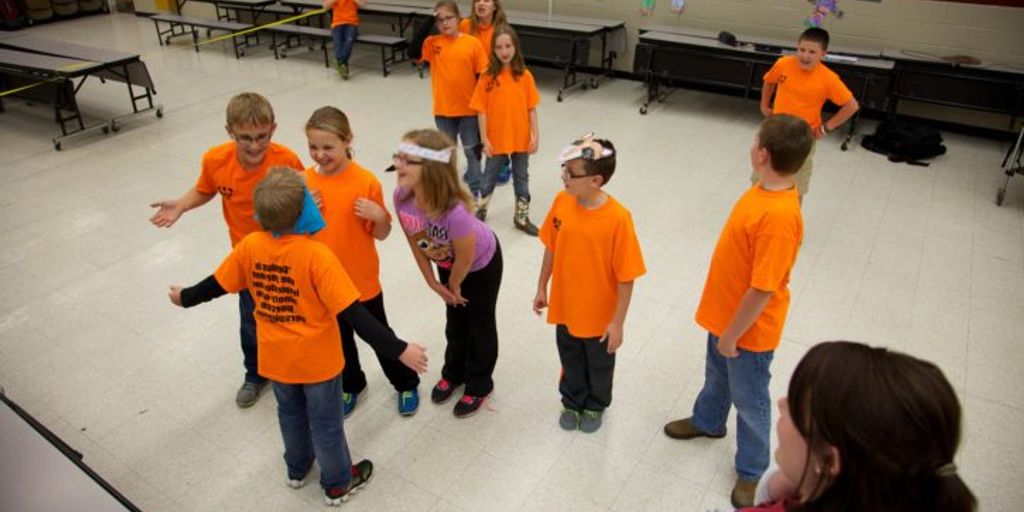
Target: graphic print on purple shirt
434 236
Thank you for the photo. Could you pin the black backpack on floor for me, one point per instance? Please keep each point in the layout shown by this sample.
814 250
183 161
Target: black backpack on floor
903 141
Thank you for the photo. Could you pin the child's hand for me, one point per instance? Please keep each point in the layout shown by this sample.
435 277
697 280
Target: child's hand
168 213
613 335
456 291
540 301
727 348
369 210
443 291
488 149
532 148
415 357
318 199
175 295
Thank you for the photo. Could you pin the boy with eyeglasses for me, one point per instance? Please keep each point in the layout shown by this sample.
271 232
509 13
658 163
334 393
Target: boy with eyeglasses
233 169
591 256
456 60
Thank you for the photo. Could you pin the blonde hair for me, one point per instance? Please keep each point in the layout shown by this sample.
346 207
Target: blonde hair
332 120
249 108
278 199
442 188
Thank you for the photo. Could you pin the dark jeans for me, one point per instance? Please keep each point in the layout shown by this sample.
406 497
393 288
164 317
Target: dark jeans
741 381
466 129
472 330
520 174
344 39
247 331
311 426
587 371
353 379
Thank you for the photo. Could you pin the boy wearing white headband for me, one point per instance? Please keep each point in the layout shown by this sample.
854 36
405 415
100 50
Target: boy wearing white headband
591 257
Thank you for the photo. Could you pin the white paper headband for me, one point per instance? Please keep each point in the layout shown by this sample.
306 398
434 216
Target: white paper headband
437 155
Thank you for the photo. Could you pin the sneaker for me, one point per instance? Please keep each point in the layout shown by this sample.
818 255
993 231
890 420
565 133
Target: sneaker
743 493
342 70
296 484
590 422
442 391
684 429
468 406
348 403
408 402
362 472
569 419
249 393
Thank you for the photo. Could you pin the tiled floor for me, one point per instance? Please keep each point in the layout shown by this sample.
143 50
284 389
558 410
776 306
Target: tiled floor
918 259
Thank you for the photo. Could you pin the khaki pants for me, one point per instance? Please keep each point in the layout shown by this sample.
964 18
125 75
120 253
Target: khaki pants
802 176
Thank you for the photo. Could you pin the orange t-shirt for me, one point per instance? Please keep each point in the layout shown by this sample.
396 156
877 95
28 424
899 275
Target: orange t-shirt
222 174
594 251
802 93
507 102
485 33
350 237
344 12
757 249
299 287
455 63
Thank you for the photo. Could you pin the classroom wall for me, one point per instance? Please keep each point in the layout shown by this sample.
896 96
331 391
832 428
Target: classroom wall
991 33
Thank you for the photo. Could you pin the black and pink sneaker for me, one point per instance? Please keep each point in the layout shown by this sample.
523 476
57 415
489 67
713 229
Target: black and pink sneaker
468 405
442 391
362 472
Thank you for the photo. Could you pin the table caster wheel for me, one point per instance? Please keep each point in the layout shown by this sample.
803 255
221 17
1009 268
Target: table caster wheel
114 127
845 146
559 98
105 130
57 146
643 111
1000 196
159 111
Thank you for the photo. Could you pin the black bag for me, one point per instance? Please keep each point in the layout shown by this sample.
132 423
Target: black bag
11 17
903 141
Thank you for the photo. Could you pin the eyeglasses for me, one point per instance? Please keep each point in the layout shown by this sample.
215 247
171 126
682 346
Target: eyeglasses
566 175
403 160
441 20
249 140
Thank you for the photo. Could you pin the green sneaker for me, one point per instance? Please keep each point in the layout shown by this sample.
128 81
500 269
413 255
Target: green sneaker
590 422
342 70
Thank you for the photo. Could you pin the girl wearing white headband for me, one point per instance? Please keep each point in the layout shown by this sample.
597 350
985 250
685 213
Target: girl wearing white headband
436 214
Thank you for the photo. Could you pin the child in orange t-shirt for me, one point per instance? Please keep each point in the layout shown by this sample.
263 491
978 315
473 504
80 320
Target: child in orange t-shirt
506 99
344 30
745 300
591 257
485 15
232 170
301 287
351 201
456 60
801 84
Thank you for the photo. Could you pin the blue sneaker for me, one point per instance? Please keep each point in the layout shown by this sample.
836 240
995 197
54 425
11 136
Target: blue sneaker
408 402
505 174
348 403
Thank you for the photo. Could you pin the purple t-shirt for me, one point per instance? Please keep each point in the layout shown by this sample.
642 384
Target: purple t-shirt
434 236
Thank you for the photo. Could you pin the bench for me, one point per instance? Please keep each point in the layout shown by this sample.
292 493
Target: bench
391 47
183 25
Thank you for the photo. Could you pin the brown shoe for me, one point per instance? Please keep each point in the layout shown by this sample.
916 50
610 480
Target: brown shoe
684 429
743 493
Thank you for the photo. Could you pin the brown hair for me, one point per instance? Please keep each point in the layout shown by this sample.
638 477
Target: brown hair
278 199
788 140
442 188
249 108
894 421
450 5
518 65
603 167
332 120
497 19
815 35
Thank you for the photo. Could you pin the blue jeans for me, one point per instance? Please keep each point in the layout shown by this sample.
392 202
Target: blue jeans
742 381
344 39
311 426
467 130
520 174
247 331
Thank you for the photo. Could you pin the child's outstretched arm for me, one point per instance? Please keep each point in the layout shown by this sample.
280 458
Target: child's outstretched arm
204 291
845 112
751 306
169 210
613 333
540 301
383 339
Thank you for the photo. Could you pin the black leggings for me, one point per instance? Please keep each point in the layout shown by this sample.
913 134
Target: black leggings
472 330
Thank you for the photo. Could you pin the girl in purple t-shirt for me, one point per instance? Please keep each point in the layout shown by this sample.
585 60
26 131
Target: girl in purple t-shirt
433 209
